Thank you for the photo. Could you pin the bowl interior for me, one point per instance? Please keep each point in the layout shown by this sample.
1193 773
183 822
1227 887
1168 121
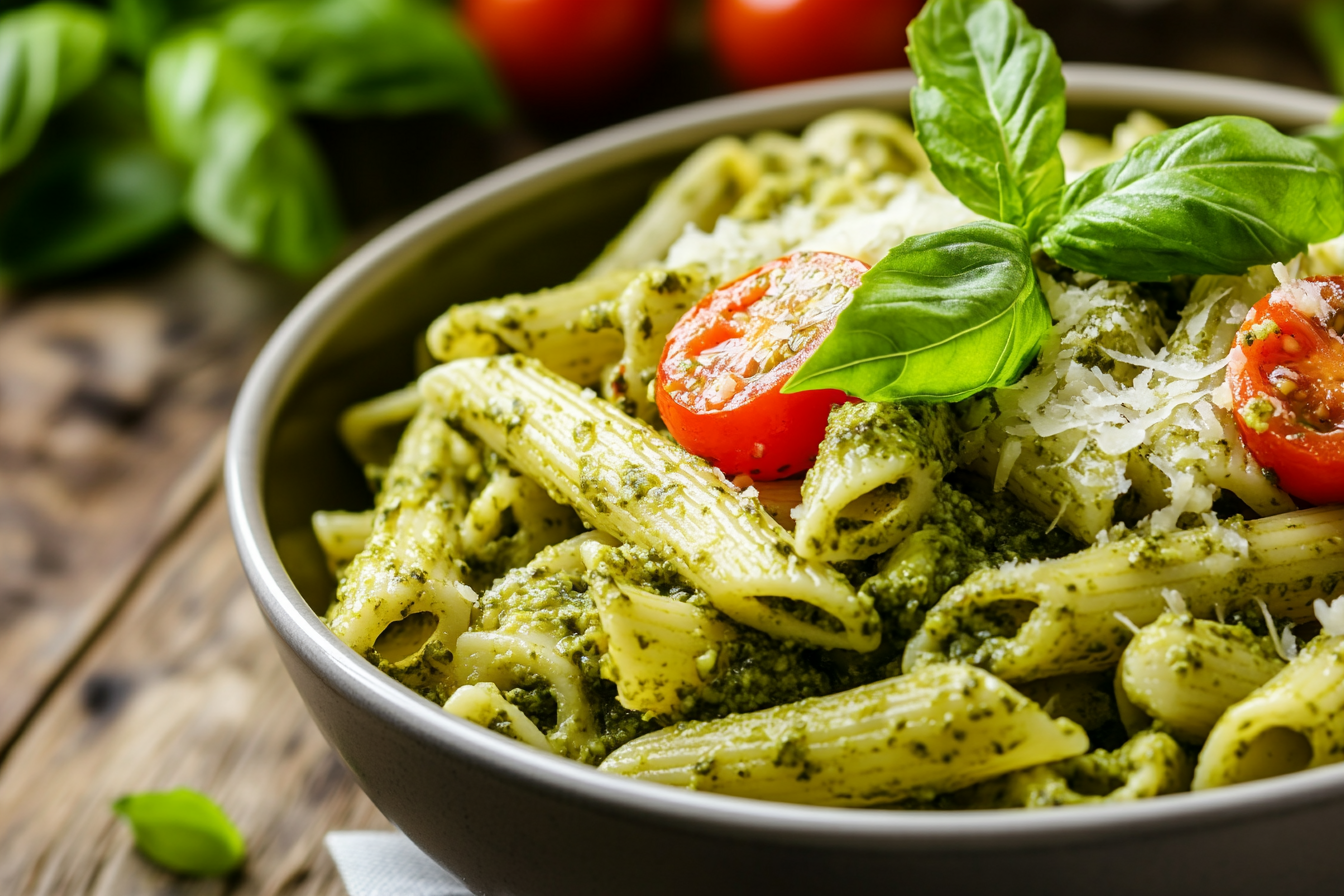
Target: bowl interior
546 237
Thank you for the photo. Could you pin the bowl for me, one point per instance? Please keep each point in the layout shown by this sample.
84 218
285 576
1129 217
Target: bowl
509 819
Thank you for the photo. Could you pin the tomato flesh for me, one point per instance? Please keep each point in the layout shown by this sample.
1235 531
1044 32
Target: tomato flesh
763 42
1286 374
719 380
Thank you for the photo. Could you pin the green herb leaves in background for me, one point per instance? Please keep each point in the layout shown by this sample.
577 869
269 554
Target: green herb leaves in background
49 53
940 318
365 57
989 108
1214 197
184 832
257 186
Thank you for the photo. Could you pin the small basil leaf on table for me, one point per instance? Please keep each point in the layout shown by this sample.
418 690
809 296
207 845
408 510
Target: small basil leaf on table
989 108
85 203
49 53
360 57
1214 197
257 184
183 831
942 317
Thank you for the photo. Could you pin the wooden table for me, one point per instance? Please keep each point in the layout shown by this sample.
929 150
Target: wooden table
132 656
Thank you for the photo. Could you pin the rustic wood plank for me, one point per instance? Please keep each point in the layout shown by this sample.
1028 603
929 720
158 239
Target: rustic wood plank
184 688
113 402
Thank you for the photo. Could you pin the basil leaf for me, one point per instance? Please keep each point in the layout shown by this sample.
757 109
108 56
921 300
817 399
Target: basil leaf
86 203
940 318
139 24
1214 197
360 57
989 108
183 831
257 186
49 53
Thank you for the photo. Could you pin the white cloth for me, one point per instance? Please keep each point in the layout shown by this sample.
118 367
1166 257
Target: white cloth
387 863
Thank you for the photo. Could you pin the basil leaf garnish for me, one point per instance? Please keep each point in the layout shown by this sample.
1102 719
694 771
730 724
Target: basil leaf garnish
940 318
183 831
257 184
1214 197
84 203
989 108
49 53
361 57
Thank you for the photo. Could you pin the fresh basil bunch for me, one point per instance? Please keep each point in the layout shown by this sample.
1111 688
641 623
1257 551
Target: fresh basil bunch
943 317
222 82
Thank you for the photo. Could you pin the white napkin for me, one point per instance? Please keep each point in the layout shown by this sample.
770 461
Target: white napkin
387 863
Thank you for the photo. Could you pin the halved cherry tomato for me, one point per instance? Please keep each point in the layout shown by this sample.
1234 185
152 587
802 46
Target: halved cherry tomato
727 358
1286 373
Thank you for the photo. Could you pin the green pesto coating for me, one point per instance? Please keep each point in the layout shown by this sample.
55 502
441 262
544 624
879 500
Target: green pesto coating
1150 764
557 604
753 670
957 536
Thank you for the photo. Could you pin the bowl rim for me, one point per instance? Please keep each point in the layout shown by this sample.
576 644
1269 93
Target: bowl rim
295 343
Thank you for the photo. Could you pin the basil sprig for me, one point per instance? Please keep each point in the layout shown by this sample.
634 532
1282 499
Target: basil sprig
1214 197
49 53
363 57
989 108
183 831
945 316
972 316
257 185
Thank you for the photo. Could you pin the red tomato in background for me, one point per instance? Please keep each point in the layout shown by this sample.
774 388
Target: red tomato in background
570 53
763 42
1286 373
727 358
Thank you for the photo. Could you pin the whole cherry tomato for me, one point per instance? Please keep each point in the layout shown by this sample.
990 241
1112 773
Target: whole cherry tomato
570 53
1286 373
727 358
763 42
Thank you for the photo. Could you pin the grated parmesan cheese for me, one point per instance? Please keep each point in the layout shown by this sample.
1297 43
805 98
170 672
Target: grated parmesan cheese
1331 616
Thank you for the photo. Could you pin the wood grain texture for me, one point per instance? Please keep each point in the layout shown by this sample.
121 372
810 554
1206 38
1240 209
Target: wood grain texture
184 688
112 410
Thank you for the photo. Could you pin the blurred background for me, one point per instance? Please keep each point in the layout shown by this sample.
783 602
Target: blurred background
287 131
174 175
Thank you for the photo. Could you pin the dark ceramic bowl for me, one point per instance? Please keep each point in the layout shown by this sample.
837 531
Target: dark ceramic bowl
511 820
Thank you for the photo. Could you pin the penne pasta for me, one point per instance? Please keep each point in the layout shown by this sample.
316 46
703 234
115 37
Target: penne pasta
934 731
626 480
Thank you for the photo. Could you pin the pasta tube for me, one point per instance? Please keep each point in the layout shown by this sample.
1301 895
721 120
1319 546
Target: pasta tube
1185 672
402 603
1294 722
1074 614
876 474
1148 765
371 429
940 729
486 706
706 185
660 650
645 313
549 325
626 480
342 536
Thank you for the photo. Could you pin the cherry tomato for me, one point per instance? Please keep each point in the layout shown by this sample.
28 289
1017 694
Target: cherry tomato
572 53
1286 373
727 358
763 42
